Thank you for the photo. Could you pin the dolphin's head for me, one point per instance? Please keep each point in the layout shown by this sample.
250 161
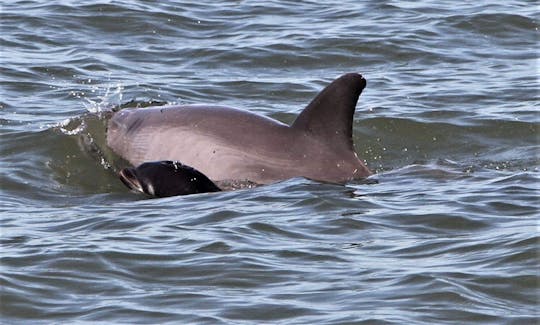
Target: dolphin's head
166 178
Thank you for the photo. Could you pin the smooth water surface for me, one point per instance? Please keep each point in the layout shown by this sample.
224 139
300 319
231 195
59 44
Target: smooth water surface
446 231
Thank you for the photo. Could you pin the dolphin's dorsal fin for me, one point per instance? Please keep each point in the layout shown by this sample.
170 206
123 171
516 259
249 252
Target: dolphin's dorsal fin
329 116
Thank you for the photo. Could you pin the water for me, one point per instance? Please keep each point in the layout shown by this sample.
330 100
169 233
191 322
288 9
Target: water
445 232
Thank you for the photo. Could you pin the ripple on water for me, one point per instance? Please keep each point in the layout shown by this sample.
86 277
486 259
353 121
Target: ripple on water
446 232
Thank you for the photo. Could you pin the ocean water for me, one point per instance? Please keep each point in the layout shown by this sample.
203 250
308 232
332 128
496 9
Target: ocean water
445 232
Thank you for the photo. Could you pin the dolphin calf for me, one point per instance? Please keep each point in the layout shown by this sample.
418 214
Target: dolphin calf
227 144
166 178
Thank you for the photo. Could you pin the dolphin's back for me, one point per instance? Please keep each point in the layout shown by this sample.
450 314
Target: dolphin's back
221 142
228 144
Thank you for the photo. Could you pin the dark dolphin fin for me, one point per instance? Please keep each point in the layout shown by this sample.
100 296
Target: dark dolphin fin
166 178
329 116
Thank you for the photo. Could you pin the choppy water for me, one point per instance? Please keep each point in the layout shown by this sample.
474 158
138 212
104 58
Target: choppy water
446 232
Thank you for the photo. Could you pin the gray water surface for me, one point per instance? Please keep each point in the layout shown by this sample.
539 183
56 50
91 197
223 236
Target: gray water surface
446 232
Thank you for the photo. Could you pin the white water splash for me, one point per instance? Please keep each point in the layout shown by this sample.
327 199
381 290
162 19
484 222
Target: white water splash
112 96
67 128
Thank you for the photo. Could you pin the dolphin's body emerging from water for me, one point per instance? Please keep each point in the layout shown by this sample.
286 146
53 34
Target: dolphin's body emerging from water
228 144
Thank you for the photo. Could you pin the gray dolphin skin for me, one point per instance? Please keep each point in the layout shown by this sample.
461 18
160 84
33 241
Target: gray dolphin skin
228 144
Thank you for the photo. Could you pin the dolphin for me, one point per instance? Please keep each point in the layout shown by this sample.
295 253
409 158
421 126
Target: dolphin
228 144
166 178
